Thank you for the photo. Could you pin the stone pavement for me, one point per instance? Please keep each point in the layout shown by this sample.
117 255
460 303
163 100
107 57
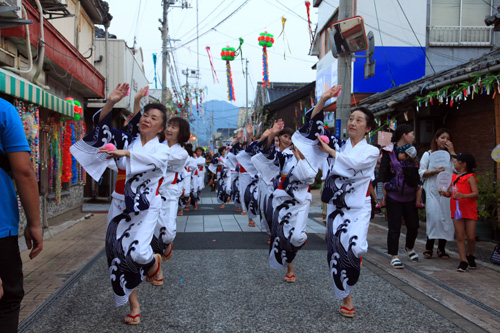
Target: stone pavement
218 280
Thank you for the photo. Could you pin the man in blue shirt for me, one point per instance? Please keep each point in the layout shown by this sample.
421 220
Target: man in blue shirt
14 155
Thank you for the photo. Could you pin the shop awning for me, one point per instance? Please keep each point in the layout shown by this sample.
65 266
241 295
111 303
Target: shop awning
14 85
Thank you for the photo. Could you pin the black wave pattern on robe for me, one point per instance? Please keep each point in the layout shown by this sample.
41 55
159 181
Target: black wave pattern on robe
157 243
222 195
235 191
251 197
344 265
124 272
137 201
267 210
281 248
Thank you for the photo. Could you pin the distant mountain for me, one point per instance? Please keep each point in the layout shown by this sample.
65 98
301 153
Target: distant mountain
225 115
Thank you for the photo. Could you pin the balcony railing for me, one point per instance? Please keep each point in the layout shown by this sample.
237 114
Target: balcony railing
460 36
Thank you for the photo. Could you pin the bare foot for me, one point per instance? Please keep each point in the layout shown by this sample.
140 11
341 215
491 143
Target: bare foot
168 252
155 274
134 317
243 213
180 213
251 223
222 206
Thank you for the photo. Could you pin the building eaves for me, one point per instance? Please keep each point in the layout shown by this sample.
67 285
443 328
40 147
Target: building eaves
387 101
290 97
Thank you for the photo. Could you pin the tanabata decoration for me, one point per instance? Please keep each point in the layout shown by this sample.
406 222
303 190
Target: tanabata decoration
456 93
308 8
214 73
30 118
77 108
228 54
285 41
265 40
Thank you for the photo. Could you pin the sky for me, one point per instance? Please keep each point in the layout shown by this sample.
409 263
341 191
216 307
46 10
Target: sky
138 19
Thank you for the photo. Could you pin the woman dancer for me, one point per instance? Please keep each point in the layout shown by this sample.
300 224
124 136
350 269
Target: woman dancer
177 133
291 198
131 219
223 177
185 197
350 169
199 173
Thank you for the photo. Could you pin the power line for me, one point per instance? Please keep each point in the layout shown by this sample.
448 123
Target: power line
215 26
415 36
206 17
393 83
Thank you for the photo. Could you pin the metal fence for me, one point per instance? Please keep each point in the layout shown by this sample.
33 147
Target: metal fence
460 36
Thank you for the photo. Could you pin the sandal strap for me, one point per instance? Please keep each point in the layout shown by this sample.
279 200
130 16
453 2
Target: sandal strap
157 268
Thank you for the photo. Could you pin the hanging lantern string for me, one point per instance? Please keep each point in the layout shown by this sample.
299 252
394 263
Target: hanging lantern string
308 5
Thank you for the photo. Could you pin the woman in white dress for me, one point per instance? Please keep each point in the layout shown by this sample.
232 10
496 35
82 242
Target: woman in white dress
439 224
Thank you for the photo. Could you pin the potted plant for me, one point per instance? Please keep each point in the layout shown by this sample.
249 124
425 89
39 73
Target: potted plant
487 206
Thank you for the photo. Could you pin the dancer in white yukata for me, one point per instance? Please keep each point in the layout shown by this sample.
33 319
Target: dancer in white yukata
177 133
223 177
351 166
131 220
290 199
199 173
249 181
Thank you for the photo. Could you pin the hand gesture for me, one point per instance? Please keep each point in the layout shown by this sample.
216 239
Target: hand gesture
239 135
115 153
458 196
120 91
249 128
439 170
330 93
141 93
449 146
34 240
326 148
277 127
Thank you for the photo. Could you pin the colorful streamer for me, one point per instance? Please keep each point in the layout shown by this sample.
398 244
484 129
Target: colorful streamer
214 73
308 7
230 87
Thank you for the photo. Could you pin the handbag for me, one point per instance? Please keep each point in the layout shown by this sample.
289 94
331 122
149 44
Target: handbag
495 255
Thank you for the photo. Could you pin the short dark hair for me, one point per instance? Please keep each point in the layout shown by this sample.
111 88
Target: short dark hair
200 148
189 149
369 117
286 130
400 130
221 149
163 110
184 129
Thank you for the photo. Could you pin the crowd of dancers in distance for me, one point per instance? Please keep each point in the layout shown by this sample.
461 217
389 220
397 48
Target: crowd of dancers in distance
159 176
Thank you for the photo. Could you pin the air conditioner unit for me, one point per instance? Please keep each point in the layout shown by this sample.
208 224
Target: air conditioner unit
12 13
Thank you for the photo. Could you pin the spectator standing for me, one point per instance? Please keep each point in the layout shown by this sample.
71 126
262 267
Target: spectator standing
437 208
15 155
400 204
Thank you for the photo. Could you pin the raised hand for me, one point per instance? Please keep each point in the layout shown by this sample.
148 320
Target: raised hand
141 93
249 128
277 127
330 93
120 91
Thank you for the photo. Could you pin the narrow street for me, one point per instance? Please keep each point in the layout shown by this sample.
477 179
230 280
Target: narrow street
218 280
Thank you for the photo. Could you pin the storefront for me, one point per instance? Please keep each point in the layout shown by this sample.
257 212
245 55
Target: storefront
51 127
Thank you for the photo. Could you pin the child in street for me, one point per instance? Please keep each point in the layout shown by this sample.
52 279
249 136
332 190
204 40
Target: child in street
408 157
463 192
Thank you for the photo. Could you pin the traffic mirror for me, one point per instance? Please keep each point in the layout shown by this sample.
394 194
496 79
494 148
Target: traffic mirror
347 36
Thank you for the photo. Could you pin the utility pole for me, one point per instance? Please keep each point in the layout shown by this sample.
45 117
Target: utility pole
344 64
246 85
164 37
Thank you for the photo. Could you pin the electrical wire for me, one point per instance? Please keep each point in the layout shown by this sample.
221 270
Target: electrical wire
206 17
291 11
215 26
407 20
393 83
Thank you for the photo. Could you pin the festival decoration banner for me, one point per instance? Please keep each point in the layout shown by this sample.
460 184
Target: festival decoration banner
265 40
